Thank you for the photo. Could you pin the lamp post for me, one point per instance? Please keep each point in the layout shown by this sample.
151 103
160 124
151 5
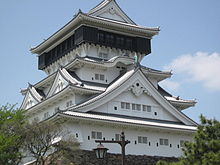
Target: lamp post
100 151
103 150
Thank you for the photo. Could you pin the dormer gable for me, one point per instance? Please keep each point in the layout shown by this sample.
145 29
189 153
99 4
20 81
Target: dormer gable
32 97
62 79
109 9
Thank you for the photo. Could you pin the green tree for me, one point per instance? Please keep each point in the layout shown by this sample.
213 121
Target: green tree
11 121
205 148
47 142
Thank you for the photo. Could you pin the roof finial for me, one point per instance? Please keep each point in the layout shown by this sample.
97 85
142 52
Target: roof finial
30 85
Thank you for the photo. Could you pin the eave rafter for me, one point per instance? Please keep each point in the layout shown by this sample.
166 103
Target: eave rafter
131 123
84 19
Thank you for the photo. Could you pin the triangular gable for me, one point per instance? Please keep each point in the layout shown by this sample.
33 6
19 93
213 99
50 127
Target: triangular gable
62 79
32 98
125 83
136 104
109 9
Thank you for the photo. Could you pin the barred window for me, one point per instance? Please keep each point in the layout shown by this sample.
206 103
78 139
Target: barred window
146 108
117 137
96 135
142 139
164 142
99 77
136 107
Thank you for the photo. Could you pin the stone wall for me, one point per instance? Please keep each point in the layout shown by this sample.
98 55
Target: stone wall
89 158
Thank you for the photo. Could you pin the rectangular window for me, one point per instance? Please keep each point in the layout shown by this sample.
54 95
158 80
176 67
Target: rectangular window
127 105
133 106
146 108
107 38
102 77
120 41
142 139
96 135
123 105
117 137
136 107
129 43
164 142
101 37
99 77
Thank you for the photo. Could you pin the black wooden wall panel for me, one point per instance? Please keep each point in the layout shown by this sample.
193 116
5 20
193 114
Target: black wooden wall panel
85 34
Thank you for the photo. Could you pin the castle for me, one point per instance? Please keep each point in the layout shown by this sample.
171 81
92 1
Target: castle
96 84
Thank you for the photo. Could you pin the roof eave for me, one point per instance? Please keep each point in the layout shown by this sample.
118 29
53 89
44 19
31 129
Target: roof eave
83 17
56 35
189 129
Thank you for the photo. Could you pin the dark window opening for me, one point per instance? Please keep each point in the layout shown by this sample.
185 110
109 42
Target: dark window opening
120 41
101 37
128 44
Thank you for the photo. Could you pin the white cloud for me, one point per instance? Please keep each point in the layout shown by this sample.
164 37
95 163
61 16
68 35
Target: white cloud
199 67
170 85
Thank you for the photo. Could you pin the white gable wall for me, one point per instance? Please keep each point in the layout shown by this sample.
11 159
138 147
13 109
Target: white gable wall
29 101
50 109
111 14
112 11
58 84
114 107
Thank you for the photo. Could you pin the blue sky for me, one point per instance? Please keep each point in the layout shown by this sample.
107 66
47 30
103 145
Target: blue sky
188 44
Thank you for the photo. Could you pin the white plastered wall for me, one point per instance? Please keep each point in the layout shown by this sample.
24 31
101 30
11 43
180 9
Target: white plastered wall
173 149
143 99
88 74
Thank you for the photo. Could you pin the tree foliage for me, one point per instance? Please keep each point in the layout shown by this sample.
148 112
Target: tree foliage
11 122
205 148
45 142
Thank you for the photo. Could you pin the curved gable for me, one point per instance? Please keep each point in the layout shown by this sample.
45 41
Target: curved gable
109 9
31 98
124 84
